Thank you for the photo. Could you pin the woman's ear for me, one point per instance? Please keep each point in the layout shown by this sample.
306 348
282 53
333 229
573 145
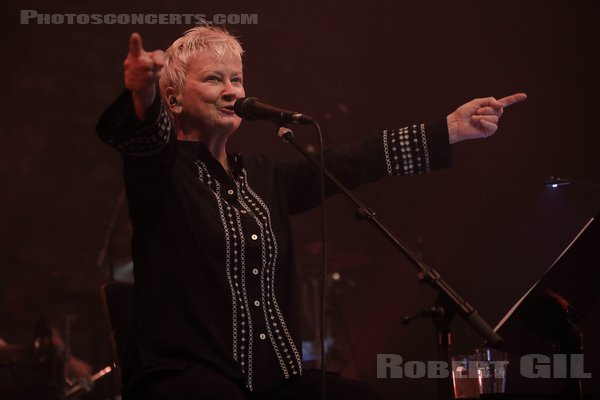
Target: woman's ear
173 101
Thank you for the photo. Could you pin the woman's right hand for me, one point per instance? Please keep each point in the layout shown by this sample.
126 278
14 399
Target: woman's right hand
142 71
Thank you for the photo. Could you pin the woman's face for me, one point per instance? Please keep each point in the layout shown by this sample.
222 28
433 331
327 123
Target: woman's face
211 88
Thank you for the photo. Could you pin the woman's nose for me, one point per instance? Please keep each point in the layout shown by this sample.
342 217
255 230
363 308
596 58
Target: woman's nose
232 92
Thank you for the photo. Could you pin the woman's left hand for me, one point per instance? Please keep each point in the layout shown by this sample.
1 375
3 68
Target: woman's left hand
479 118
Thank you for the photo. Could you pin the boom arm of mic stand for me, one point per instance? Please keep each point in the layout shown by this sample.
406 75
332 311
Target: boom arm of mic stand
425 273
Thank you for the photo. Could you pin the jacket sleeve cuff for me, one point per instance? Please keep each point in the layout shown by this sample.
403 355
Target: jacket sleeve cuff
120 128
416 149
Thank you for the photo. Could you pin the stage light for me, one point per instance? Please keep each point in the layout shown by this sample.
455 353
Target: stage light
555 182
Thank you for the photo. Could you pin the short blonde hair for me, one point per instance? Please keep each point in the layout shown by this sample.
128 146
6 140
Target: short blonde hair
201 38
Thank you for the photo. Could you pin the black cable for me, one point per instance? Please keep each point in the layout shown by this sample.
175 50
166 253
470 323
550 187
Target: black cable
287 136
324 259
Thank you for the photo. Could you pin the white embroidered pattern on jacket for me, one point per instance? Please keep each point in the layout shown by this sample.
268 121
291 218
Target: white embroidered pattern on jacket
279 335
242 332
406 151
425 148
247 341
144 141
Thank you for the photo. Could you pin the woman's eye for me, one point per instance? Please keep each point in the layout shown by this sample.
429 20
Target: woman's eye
236 80
212 78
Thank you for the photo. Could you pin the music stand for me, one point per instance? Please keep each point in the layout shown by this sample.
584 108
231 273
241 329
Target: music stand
566 288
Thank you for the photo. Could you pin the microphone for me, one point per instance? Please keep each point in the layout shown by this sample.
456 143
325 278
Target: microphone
251 109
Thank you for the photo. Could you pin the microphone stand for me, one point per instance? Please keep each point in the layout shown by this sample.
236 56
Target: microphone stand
105 256
448 301
104 253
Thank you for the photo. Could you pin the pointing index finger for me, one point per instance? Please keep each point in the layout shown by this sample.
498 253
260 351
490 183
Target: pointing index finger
512 99
135 44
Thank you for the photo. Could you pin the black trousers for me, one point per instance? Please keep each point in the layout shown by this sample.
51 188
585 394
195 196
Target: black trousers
201 383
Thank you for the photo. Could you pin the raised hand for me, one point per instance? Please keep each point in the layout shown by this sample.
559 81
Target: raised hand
142 71
479 118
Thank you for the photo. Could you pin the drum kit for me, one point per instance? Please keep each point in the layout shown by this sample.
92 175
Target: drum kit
343 269
43 367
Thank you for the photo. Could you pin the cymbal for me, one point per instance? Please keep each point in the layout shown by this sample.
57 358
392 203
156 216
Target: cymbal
53 295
